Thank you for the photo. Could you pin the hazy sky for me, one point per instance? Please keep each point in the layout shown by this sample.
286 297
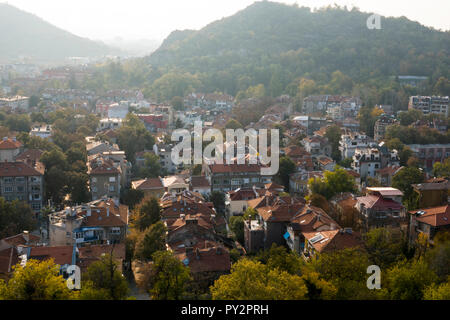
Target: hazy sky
155 19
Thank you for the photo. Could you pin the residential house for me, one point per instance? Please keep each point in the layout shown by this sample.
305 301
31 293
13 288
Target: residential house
381 125
351 141
429 221
10 148
24 182
199 184
99 221
429 154
226 177
104 178
381 207
427 104
433 193
152 187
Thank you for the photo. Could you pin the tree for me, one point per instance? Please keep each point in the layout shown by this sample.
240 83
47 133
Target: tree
250 213
104 281
233 124
403 180
252 280
346 270
218 199
237 226
287 167
152 166
37 280
166 277
151 240
15 217
437 292
407 280
408 117
147 213
278 257
131 197
177 103
442 169
333 182
384 246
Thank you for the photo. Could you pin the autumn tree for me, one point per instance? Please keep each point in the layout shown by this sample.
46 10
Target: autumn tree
252 280
104 281
37 280
165 278
151 240
147 213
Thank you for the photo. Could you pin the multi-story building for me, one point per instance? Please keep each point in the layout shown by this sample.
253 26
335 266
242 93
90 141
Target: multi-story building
351 141
429 154
10 148
381 207
22 181
16 102
100 221
226 177
429 221
381 125
430 104
164 151
104 178
317 145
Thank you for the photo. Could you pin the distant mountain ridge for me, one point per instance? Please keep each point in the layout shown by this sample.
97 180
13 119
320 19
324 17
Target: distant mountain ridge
24 34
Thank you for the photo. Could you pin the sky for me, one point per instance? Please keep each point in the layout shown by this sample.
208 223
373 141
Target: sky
155 19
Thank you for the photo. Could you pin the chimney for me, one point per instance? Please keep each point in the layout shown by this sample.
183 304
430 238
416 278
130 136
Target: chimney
107 211
26 236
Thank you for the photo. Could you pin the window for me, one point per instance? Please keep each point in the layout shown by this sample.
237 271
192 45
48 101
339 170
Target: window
20 189
94 189
36 206
8 189
112 188
36 196
112 179
7 180
20 179
115 230
94 180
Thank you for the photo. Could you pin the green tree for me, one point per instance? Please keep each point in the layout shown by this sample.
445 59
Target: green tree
37 280
287 167
104 281
177 103
151 240
166 277
233 124
252 280
442 169
403 180
218 199
333 182
237 226
15 216
408 280
148 212
152 166
384 246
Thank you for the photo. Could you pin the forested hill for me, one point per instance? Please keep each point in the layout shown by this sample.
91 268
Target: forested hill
269 39
24 34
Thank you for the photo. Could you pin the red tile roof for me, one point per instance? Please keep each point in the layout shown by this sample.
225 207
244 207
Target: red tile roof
436 217
91 253
7 144
32 154
149 183
215 259
8 258
17 169
61 254
377 202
